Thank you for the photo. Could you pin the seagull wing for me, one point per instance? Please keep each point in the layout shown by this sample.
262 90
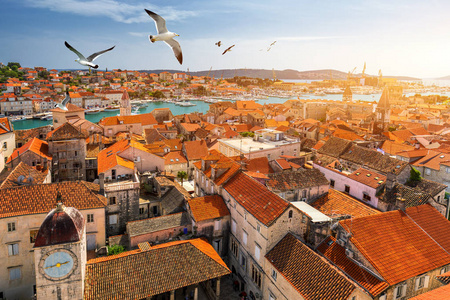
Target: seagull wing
97 54
159 21
65 101
176 49
81 56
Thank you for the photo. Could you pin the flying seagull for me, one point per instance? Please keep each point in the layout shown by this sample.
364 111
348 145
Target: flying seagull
87 61
63 104
228 49
273 43
165 35
219 43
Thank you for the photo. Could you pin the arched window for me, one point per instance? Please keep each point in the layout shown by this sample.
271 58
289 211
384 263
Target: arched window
290 214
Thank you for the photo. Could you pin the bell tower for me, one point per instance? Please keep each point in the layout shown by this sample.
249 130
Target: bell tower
60 255
125 105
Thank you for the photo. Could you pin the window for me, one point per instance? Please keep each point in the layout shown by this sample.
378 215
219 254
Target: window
256 276
217 225
14 273
366 197
304 194
442 271
274 275
290 214
244 237
422 282
90 218
5 145
33 234
13 249
347 189
332 183
243 261
427 171
400 291
112 219
245 216
234 247
257 251
141 210
112 200
11 226
272 297
258 227
75 153
233 226
447 169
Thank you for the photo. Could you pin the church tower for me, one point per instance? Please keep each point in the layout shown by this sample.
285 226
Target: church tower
383 110
60 255
347 96
125 105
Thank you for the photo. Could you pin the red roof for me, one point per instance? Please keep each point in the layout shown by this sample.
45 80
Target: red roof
208 207
368 178
256 198
442 293
388 238
195 150
36 146
336 254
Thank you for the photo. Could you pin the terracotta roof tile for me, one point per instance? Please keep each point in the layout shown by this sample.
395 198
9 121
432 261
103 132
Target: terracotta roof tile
259 164
442 293
41 198
36 146
312 276
208 207
335 204
296 180
175 157
336 254
368 178
195 149
27 172
256 198
386 239
141 274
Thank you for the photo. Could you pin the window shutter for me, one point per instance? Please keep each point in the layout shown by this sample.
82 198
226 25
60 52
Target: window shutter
10 252
417 284
395 292
427 280
404 290
257 252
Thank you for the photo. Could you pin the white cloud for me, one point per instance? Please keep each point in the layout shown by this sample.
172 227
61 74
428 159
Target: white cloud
119 12
309 38
139 34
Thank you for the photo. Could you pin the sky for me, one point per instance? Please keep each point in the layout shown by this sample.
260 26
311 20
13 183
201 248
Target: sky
408 38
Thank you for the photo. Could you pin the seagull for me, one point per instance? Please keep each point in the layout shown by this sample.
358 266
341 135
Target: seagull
87 61
63 104
268 49
219 43
165 35
228 49
273 43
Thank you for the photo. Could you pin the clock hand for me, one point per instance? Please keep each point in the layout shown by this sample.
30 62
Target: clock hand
57 265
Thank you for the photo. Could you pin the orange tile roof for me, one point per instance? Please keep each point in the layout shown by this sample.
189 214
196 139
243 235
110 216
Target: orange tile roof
432 160
394 148
36 146
336 254
369 178
140 274
5 125
22 169
41 198
175 157
256 198
311 275
335 203
386 239
208 207
107 157
441 293
283 164
190 127
195 149
259 164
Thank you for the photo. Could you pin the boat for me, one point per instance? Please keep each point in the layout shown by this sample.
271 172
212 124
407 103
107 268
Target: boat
16 118
112 108
92 111
47 118
186 104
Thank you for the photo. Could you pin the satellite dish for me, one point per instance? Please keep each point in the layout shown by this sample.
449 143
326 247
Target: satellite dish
30 180
20 179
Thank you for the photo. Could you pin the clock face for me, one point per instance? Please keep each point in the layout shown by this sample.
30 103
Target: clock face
58 264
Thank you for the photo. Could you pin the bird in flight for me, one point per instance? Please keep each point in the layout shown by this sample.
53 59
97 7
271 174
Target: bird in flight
219 43
273 43
228 49
89 60
165 35
63 104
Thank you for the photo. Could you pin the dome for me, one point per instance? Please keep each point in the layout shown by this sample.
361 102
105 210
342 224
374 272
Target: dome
62 225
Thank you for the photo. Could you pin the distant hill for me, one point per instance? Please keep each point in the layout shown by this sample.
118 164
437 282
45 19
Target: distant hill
280 74
443 78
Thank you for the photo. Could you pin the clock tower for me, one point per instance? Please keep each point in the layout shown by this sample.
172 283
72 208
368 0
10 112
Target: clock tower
60 255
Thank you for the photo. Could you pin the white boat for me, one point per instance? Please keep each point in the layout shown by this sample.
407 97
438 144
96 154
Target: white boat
92 111
112 108
47 117
186 104
16 118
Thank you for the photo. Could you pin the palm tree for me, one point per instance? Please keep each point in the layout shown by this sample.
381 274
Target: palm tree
182 175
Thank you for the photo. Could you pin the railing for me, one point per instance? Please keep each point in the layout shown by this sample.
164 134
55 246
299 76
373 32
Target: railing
121 185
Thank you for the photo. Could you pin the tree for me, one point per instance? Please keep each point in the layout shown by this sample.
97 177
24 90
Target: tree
414 175
115 249
182 175
14 65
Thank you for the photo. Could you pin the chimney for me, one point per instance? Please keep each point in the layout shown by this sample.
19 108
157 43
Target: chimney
101 177
45 163
390 180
